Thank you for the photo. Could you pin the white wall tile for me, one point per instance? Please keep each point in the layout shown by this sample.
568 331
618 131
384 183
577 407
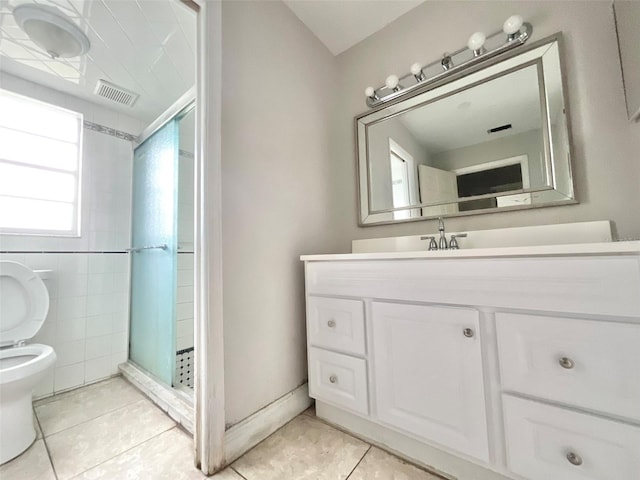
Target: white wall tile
68 353
99 325
70 329
71 285
98 368
184 294
68 377
120 342
97 347
117 359
72 307
184 311
185 278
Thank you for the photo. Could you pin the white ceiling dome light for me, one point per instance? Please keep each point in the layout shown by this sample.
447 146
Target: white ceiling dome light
52 30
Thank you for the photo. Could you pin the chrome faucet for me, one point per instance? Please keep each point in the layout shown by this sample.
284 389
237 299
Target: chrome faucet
453 245
443 238
432 242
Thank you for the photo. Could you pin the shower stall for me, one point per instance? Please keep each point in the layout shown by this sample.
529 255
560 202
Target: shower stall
162 294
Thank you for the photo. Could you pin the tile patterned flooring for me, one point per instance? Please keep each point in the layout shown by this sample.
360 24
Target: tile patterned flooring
111 431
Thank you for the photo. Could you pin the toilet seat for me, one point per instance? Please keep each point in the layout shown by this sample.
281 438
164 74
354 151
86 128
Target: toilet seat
37 357
25 303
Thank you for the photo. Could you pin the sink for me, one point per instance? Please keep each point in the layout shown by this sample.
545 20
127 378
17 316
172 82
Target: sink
558 234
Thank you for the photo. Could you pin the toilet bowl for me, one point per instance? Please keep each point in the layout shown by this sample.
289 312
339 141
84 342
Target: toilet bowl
24 303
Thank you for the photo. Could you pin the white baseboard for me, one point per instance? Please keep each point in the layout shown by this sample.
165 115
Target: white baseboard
252 430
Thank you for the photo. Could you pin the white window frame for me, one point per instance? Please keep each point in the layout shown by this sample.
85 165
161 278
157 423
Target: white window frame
75 230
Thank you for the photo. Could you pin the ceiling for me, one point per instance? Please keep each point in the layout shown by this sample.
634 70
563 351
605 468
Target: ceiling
146 46
463 119
340 24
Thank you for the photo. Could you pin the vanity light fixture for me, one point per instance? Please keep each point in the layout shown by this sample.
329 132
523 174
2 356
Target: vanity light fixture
479 48
416 71
393 83
446 62
476 43
512 27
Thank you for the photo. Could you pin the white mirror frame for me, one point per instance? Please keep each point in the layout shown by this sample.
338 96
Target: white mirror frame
529 54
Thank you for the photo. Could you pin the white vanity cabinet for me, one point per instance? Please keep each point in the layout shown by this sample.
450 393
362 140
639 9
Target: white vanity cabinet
428 374
485 365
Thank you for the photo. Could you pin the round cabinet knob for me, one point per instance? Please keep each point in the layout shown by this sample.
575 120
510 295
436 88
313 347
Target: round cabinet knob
566 362
333 379
331 323
467 332
574 459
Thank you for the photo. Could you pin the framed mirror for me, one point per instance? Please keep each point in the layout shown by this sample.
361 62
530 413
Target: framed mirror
493 138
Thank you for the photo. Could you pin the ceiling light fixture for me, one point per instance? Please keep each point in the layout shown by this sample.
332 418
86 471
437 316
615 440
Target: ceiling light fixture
51 30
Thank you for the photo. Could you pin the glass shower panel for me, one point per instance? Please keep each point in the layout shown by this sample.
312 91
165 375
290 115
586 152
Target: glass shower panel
185 297
154 253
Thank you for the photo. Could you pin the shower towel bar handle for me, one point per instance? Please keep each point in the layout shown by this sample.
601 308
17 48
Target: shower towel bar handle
164 246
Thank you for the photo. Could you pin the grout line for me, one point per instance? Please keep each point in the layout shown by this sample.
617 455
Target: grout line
239 474
122 453
46 447
359 462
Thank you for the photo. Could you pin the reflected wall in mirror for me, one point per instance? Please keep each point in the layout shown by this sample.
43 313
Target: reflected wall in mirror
495 139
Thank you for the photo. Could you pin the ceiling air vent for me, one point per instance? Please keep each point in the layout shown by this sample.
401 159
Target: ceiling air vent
115 93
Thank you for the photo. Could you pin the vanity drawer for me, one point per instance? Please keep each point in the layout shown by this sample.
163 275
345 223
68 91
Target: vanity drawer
336 324
338 379
591 364
545 442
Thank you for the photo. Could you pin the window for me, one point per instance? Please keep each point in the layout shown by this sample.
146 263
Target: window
40 165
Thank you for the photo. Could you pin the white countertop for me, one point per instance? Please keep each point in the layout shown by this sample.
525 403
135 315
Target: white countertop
581 249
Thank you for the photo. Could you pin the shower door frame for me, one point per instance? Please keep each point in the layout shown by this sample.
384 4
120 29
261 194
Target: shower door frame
208 321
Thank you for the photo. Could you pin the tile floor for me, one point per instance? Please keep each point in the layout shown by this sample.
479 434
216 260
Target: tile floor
111 431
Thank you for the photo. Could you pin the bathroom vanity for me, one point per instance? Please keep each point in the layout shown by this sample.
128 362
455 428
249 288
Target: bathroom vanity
516 362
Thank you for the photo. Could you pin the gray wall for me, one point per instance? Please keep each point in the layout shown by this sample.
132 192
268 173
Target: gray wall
379 135
605 164
276 114
526 143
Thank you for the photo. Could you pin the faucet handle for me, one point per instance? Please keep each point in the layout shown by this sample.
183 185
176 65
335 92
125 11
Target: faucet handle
453 245
432 243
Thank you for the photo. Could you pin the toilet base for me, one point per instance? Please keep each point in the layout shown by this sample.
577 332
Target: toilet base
16 425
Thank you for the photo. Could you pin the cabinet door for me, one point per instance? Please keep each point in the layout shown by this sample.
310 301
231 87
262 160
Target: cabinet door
428 374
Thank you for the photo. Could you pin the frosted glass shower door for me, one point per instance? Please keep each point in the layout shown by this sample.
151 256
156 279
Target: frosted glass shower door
154 253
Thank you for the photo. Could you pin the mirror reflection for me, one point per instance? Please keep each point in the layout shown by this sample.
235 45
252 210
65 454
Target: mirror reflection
497 140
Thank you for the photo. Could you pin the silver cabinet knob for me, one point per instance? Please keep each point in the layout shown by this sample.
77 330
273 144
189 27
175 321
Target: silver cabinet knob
574 459
331 323
467 332
333 379
566 362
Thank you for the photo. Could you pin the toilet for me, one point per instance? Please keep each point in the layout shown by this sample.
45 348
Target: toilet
24 303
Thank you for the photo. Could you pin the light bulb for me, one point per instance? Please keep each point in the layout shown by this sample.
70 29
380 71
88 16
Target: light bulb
512 24
392 82
369 91
476 41
416 69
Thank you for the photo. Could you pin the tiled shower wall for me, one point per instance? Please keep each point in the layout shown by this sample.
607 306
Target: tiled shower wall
87 323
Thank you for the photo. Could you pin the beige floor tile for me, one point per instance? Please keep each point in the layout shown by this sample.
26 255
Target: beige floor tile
379 465
311 411
84 404
86 445
33 464
169 456
304 449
